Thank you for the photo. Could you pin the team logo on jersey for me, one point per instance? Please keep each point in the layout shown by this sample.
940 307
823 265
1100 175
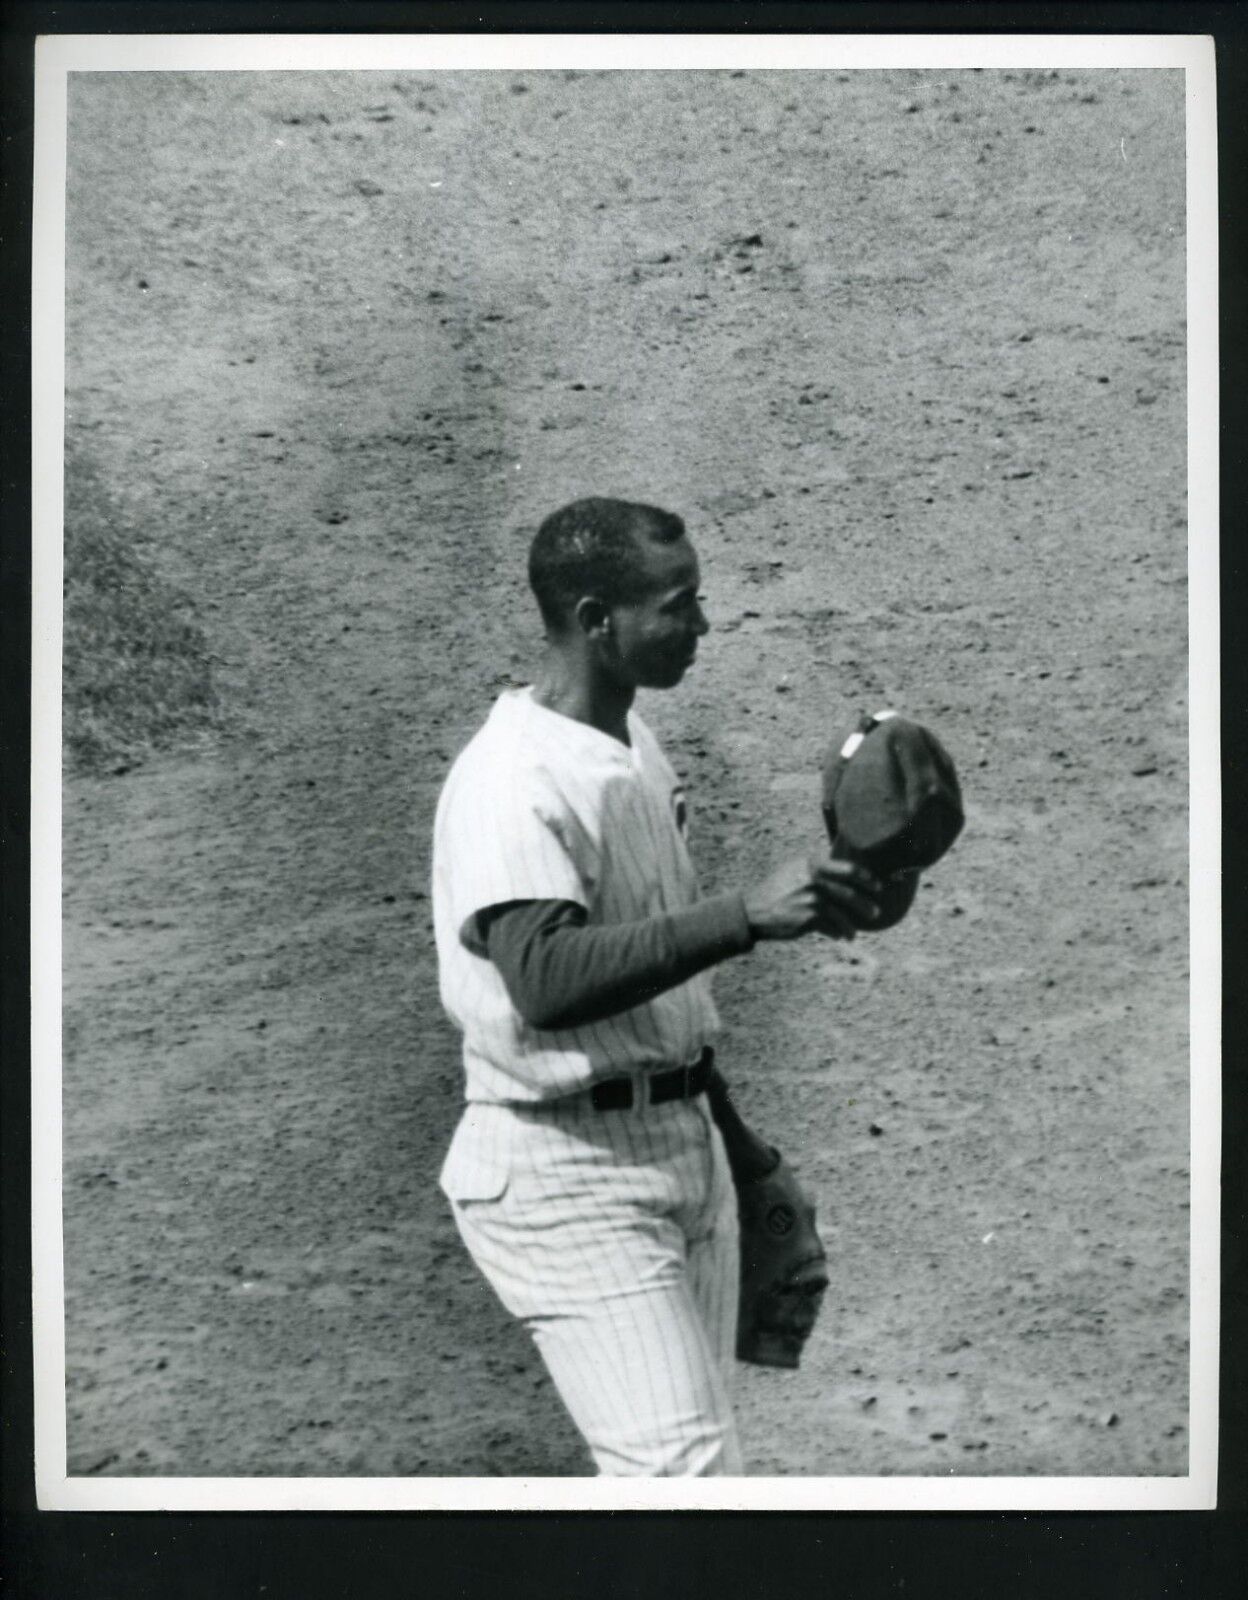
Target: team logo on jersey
680 810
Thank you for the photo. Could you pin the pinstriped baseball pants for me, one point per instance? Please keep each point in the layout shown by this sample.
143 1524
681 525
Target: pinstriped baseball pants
613 1236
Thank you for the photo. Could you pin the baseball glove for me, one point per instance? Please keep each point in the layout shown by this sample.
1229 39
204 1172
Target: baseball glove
783 1269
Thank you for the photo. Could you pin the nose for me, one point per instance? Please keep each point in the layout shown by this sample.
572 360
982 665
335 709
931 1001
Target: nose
700 625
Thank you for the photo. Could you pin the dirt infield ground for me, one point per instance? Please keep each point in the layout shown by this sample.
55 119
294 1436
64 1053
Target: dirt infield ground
907 352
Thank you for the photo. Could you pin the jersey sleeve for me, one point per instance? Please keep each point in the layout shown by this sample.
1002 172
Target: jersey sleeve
509 841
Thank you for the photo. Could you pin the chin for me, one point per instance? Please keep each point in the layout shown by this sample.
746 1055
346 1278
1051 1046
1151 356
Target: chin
672 677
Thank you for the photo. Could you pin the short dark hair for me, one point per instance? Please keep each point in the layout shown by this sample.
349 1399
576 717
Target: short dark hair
590 548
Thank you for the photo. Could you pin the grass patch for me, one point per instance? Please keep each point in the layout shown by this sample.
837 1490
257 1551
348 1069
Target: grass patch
136 671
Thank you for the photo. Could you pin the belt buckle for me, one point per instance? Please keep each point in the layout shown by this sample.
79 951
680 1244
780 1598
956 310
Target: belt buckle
674 1084
613 1094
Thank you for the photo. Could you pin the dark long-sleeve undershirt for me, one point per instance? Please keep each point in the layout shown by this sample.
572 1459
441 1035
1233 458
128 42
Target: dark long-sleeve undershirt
562 973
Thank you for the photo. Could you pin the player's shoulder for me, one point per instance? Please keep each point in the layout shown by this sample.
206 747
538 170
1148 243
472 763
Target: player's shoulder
499 744
491 778
521 751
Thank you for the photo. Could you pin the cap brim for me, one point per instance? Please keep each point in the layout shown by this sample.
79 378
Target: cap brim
897 892
895 899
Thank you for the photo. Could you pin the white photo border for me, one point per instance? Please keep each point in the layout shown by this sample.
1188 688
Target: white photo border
56 58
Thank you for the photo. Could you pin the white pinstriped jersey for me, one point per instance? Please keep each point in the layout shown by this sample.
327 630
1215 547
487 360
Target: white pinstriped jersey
539 806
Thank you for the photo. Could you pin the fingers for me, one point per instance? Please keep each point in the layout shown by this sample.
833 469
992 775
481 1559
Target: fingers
862 909
835 898
834 923
845 872
849 891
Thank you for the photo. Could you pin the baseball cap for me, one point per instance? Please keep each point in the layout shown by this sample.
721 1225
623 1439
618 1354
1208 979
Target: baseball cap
892 803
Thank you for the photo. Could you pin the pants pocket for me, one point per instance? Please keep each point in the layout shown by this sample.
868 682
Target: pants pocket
477 1167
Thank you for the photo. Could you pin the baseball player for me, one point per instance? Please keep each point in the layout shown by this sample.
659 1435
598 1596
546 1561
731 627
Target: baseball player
588 1177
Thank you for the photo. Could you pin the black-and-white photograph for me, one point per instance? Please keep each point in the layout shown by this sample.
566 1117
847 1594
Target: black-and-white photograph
626 797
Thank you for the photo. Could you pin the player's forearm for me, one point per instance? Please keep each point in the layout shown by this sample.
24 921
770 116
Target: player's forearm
562 973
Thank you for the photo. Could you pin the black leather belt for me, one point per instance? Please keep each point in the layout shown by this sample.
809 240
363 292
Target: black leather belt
678 1083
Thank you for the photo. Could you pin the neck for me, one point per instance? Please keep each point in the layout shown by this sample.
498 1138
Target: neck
575 690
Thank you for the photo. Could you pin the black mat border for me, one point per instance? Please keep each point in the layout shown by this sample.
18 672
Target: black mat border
151 1556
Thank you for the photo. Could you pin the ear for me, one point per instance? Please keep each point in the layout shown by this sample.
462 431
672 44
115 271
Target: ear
593 617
